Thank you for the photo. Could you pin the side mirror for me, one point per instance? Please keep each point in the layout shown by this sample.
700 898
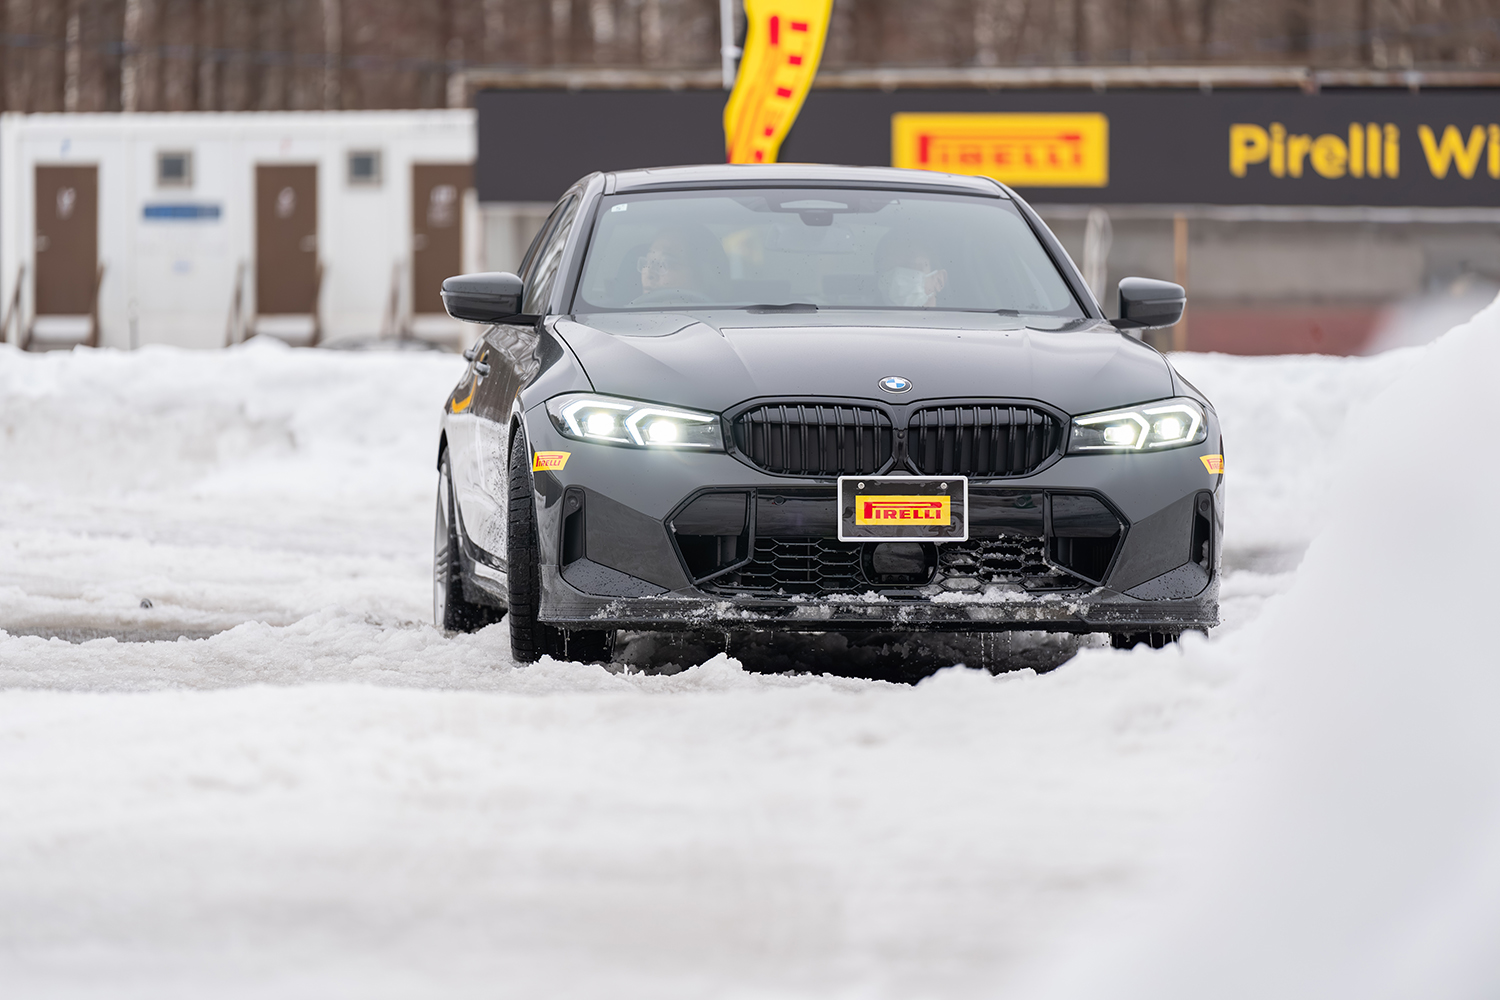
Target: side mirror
1148 304
490 297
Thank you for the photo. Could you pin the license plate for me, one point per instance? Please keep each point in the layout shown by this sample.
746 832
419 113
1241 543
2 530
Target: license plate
903 508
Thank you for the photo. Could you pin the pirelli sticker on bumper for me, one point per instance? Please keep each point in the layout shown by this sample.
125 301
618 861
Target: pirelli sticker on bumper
1028 150
1213 463
900 511
549 461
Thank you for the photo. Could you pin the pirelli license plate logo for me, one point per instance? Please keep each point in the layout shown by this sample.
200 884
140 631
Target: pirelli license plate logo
903 508
900 511
1027 150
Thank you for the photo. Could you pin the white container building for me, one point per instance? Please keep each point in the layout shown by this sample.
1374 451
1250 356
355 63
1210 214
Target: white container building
200 229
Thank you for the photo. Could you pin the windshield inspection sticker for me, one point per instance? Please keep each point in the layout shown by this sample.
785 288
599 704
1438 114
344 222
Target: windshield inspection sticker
1213 463
549 461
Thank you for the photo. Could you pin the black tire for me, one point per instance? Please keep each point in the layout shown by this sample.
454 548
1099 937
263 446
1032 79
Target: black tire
1130 640
531 639
450 609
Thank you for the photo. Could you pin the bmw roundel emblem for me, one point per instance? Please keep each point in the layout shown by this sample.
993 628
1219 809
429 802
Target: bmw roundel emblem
895 383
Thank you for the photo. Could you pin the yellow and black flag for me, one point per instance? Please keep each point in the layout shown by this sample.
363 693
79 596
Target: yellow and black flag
783 43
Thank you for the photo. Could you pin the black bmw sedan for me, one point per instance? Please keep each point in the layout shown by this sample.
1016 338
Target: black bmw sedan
817 398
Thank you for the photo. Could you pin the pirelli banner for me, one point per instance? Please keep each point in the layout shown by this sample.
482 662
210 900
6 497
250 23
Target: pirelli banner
1281 147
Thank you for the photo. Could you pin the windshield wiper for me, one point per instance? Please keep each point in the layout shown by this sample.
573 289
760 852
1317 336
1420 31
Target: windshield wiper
1061 324
783 307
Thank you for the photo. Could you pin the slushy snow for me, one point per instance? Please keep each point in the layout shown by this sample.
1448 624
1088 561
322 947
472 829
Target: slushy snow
315 794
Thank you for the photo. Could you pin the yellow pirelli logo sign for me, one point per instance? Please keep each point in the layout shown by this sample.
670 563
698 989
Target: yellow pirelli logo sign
1026 150
899 510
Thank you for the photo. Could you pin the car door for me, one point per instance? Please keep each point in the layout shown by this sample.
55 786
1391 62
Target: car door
504 357
512 349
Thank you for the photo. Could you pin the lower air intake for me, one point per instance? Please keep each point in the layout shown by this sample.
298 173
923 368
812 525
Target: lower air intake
818 567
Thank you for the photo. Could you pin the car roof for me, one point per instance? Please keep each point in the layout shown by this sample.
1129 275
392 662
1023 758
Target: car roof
716 175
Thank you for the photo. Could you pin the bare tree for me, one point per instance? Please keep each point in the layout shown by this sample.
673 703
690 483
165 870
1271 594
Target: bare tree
1298 26
653 33
130 73
10 58
333 54
73 56
493 29
602 29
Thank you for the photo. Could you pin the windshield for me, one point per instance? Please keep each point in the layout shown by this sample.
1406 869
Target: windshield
819 248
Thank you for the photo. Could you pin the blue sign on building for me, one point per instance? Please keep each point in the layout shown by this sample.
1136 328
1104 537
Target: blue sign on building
181 213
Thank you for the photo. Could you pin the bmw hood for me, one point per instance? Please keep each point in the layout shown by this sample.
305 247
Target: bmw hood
712 361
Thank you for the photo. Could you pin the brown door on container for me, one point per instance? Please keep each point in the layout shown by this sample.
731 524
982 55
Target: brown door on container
286 239
67 240
437 244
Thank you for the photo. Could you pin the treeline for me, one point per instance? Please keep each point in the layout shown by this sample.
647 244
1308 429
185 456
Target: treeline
240 55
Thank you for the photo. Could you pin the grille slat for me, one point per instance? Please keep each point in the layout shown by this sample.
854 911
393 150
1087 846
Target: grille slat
984 441
996 444
786 441
814 439
804 428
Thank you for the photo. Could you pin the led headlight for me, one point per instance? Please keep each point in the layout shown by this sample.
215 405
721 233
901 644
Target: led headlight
634 424
1170 423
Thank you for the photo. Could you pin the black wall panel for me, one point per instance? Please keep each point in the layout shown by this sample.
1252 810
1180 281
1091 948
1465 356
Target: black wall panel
1166 146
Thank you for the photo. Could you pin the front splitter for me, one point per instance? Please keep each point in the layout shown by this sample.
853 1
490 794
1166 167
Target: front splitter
1097 610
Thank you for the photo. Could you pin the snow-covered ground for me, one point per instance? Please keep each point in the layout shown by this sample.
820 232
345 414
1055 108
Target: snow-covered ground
313 793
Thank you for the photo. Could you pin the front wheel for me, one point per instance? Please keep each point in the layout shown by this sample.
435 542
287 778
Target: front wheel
450 609
531 638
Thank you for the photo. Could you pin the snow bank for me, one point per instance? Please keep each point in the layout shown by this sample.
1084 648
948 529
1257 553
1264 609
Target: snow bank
255 484
1363 858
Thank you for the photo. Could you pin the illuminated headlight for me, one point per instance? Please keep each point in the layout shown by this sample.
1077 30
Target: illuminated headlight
1171 423
634 424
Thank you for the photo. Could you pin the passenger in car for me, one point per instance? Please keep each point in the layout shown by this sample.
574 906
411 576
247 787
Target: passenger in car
625 287
684 259
909 273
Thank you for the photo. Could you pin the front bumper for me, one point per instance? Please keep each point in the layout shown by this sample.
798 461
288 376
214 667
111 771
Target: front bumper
612 525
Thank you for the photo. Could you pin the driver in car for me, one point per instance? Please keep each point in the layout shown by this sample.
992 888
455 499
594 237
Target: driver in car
685 259
908 273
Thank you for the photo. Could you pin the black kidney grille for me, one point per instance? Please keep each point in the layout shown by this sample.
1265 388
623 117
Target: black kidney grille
980 440
814 439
